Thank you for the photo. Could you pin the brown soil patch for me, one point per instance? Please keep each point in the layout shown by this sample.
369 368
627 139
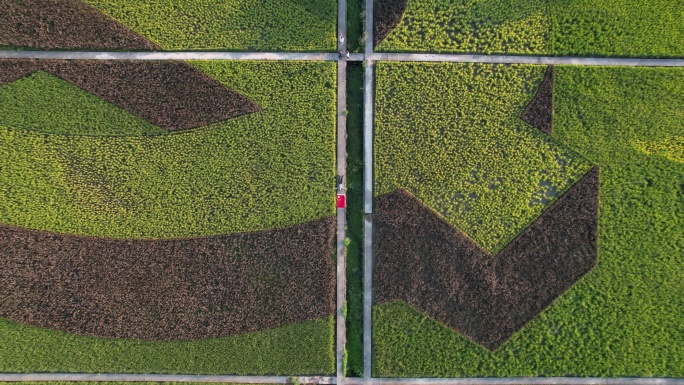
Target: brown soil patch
171 94
180 289
64 24
539 113
423 260
386 15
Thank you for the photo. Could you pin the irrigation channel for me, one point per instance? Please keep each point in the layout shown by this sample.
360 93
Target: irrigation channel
355 74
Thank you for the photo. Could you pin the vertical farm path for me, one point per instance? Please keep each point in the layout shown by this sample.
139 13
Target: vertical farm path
341 324
368 88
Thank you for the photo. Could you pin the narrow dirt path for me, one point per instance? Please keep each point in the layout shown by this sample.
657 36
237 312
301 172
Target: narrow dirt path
341 324
368 57
39 377
368 89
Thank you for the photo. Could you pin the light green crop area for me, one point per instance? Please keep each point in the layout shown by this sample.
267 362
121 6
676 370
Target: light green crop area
625 318
301 349
451 135
486 26
265 170
45 103
233 25
653 28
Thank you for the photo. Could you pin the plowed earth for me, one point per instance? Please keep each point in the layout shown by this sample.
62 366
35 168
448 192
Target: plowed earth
426 262
179 289
539 113
171 94
64 24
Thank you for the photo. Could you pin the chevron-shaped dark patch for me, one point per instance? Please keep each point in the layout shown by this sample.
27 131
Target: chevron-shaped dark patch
174 289
171 94
423 260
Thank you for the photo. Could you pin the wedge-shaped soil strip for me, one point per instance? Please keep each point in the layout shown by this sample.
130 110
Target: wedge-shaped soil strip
64 24
539 113
171 94
386 16
179 289
423 260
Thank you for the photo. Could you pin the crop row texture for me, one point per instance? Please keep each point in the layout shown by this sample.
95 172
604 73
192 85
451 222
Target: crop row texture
170 94
542 27
625 317
140 25
178 289
451 135
264 171
270 169
253 25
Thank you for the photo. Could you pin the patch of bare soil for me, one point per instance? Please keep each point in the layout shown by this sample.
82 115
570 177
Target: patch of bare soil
64 24
423 260
171 94
539 113
179 289
386 15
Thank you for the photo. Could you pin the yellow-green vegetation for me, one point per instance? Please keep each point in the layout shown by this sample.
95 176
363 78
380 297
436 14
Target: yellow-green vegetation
302 349
625 318
485 26
69 172
45 103
451 135
255 25
651 28
671 148
265 170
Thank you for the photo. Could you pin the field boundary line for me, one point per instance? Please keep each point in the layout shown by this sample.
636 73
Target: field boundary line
35 377
368 111
79 55
512 59
367 57
526 381
21 377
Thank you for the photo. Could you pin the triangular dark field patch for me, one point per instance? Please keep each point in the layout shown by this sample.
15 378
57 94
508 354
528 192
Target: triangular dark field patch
64 24
386 15
539 113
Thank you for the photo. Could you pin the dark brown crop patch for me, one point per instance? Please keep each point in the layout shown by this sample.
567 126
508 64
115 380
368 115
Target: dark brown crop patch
386 16
180 289
423 260
171 94
539 113
64 24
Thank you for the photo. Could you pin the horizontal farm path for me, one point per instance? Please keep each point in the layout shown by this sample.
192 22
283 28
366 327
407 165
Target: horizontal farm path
333 380
367 57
